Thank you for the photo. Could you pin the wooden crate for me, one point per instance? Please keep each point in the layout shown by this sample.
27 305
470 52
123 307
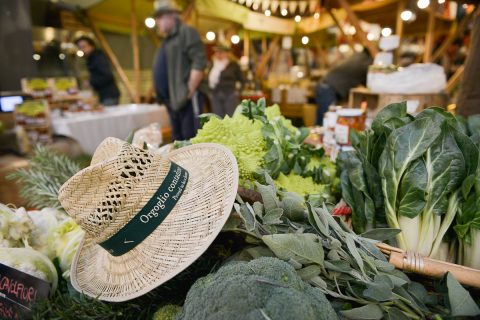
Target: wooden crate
377 101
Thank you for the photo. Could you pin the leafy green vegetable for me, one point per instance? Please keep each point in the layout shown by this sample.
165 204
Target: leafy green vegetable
338 262
459 300
420 163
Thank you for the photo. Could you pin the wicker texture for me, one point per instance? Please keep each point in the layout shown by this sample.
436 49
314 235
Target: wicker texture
119 182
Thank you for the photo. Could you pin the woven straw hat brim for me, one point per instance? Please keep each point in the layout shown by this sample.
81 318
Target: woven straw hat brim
182 237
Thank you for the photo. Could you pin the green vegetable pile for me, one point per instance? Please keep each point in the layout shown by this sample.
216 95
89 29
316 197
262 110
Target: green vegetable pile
262 140
348 268
407 172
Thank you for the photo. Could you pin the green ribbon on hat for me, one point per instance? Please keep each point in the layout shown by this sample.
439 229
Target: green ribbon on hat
151 215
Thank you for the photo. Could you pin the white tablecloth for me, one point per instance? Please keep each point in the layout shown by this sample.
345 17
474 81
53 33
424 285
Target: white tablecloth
90 128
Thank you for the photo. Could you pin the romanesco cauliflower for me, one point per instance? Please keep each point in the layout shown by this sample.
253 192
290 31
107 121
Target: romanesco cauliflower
298 184
242 136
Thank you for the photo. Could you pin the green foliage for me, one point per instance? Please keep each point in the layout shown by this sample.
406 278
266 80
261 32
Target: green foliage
264 288
407 171
343 265
47 172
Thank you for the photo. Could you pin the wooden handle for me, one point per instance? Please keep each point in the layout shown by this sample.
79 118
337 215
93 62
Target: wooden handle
434 268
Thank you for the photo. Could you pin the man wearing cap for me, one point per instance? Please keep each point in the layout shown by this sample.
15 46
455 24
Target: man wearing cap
178 70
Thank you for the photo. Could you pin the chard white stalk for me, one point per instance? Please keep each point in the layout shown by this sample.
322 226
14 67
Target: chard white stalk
446 222
471 252
411 230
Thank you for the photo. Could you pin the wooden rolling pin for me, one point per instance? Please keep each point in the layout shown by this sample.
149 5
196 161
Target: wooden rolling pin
413 262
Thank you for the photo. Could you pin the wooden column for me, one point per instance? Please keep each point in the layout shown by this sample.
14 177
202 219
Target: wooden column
246 44
454 79
399 28
430 36
340 27
266 57
135 50
113 59
352 17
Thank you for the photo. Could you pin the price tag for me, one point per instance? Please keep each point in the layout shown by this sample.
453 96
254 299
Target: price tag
18 292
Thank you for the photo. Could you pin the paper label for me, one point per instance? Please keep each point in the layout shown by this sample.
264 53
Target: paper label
341 133
18 292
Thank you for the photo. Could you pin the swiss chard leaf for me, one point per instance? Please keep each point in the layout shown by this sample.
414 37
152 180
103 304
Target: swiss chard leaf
412 190
395 110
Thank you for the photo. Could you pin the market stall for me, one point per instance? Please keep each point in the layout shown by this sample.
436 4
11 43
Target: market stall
265 213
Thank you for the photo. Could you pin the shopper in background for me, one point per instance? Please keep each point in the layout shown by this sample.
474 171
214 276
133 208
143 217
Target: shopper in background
178 70
225 80
339 80
101 75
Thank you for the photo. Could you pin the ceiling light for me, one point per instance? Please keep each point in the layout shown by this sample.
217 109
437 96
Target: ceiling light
370 36
80 53
235 39
298 18
386 32
316 16
406 15
441 1
422 4
150 22
61 56
268 13
343 48
210 35
36 56
255 6
305 40
284 12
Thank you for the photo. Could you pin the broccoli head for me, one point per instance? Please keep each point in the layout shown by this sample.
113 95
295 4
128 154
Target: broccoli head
264 288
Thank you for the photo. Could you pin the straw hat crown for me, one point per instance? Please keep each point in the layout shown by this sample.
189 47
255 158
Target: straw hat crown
119 182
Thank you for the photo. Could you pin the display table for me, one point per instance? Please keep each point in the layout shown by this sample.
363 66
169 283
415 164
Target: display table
90 128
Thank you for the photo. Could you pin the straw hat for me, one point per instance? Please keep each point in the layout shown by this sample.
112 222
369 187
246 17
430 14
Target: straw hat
133 242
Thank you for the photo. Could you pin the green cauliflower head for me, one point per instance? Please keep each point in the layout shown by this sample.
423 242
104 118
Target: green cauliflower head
264 288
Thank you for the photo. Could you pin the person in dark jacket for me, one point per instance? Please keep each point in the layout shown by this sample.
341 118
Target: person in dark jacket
178 70
339 80
224 79
101 75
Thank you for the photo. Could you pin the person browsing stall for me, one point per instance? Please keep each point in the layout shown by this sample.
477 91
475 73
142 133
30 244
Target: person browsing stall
101 75
178 70
224 79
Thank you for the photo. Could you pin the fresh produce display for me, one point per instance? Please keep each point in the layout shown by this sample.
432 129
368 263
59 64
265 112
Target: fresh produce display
348 268
420 163
49 234
286 254
264 288
262 140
